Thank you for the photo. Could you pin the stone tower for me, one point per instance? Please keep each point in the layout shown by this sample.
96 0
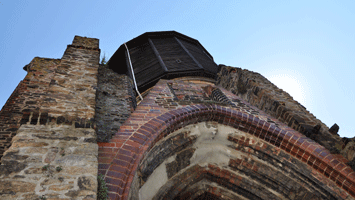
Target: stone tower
161 120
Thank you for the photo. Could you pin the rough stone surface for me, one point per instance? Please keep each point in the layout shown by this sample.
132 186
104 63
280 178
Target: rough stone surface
260 92
71 93
57 167
115 101
28 96
239 137
48 122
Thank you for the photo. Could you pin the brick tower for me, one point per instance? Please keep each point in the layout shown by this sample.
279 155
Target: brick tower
161 120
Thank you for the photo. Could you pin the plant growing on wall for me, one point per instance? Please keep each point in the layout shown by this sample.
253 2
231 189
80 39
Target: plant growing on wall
102 189
103 60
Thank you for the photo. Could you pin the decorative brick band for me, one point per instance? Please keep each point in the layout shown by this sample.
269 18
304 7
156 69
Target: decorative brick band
129 153
37 118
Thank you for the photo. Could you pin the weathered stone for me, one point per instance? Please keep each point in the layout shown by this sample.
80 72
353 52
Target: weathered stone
9 167
54 152
9 187
73 160
53 96
14 156
60 187
334 129
50 157
36 150
12 196
56 138
50 181
72 170
31 196
29 144
85 148
34 170
79 193
260 92
114 100
349 151
87 183
89 197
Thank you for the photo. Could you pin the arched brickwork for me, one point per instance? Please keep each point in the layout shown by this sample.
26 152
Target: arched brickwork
302 149
233 163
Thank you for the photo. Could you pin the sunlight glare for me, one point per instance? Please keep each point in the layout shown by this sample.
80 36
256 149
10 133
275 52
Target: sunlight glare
291 85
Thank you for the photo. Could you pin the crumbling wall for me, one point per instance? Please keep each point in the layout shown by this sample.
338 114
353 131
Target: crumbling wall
260 92
54 154
72 90
26 98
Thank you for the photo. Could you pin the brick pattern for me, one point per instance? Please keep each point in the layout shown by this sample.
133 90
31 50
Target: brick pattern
42 118
257 164
119 159
239 187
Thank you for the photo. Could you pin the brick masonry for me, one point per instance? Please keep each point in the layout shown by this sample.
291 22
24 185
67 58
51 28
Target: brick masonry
239 137
167 108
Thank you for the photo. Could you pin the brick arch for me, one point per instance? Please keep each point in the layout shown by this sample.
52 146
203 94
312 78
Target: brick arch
298 146
249 166
229 184
213 191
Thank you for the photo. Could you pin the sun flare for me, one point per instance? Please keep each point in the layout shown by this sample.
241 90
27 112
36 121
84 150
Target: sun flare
291 85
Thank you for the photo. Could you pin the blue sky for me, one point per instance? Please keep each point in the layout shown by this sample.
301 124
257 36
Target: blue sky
305 47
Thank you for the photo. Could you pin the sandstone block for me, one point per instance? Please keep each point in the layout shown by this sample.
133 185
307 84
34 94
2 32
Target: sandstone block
34 170
60 187
29 144
79 193
50 181
87 183
8 187
72 170
50 157
36 150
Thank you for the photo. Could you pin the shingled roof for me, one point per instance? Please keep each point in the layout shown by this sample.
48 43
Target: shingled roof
166 54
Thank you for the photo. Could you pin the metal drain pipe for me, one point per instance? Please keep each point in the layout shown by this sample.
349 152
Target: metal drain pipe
134 78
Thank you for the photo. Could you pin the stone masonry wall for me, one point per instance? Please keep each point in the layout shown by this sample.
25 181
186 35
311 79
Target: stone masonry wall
260 92
72 90
27 97
114 102
54 154
52 162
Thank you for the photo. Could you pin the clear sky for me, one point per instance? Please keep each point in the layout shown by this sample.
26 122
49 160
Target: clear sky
305 47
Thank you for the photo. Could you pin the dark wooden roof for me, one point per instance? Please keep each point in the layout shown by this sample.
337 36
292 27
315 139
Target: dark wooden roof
166 54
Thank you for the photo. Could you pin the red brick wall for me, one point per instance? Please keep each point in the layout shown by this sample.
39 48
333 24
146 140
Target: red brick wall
162 112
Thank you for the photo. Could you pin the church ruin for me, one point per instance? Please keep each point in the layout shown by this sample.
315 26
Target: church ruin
162 120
